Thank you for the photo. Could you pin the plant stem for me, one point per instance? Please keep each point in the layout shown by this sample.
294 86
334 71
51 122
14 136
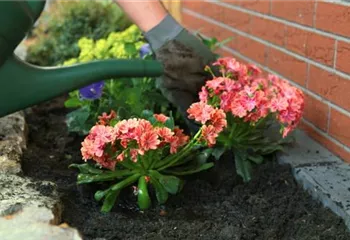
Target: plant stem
125 182
174 158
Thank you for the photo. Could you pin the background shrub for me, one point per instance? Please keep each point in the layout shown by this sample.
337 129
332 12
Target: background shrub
55 38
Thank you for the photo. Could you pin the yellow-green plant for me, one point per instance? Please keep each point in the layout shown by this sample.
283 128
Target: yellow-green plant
128 97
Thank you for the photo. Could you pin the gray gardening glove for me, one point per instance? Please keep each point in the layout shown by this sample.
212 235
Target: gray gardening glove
184 58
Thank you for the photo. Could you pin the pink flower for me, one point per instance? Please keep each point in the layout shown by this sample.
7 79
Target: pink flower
254 70
203 95
231 85
216 84
278 104
218 120
226 100
237 109
161 118
209 134
95 143
149 140
105 119
200 112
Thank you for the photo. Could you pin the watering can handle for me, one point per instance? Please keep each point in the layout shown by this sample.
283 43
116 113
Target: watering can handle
37 7
17 18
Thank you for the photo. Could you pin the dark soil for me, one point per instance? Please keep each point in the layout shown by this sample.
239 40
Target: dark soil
271 207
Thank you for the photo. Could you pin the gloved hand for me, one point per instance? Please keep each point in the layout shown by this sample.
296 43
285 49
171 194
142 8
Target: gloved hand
184 58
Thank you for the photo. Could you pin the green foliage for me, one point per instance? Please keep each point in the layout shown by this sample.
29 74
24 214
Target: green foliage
213 43
128 97
56 37
249 144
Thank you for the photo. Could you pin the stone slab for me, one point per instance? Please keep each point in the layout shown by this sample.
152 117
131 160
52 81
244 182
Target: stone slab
13 135
325 176
17 193
330 184
34 223
306 151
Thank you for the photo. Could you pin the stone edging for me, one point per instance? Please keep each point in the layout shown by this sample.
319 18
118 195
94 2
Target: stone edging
29 209
325 176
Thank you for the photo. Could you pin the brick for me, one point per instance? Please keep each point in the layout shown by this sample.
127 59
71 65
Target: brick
316 112
252 49
296 40
330 86
261 28
193 5
232 2
225 53
330 145
208 29
339 127
299 11
211 10
236 19
261 6
231 17
343 57
334 18
320 48
288 66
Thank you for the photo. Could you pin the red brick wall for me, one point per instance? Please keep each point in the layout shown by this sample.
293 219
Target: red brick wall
306 42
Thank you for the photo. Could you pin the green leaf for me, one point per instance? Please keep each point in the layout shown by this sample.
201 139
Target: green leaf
122 113
146 114
143 199
223 42
170 123
77 120
161 194
203 156
271 149
73 103
84 178
125 182
86 168
258 159
243 167
106 176
218 152
109 201
199 169
170 183
101 194
130 48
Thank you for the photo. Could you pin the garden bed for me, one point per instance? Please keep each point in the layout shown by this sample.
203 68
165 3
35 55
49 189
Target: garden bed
216 205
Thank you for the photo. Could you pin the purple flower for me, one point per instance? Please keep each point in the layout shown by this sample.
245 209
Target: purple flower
92 91
145 49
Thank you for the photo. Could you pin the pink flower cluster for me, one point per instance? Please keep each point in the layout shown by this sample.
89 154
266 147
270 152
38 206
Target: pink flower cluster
246 94
212 119
128 139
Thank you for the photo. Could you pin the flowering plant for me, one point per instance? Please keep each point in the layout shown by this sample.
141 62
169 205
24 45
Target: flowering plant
129 97
149 150
251 103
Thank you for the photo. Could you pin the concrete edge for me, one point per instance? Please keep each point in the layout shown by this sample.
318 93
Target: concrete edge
322 174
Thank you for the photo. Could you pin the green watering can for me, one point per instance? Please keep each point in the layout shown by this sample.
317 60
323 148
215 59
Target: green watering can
24 85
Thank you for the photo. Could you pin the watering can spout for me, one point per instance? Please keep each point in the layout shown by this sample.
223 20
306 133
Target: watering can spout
25 85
